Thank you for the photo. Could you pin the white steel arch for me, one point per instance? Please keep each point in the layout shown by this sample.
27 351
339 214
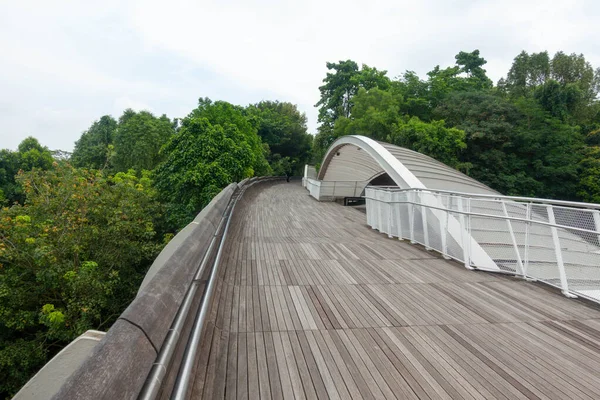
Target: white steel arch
360 159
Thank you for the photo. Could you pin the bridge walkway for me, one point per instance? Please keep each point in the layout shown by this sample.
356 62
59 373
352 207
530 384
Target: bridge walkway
312 303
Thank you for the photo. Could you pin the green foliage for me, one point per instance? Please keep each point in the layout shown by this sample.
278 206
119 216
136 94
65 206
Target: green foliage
566 86
138 140
589 184
71 258
283 129
471 64
523 137
376 113
340 87
92 149
515 147
30 154
216 145
431 138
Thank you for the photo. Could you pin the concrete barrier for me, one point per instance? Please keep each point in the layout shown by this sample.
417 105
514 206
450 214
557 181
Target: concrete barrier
47 382
121 362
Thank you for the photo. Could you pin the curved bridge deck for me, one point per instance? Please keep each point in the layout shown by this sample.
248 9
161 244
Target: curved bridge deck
314 304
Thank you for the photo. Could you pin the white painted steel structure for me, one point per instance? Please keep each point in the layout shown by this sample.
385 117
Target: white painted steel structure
361 159
555 242
551 241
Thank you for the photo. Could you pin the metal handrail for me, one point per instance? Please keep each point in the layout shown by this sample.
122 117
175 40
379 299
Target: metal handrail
493 196
434 217
186 367
161 367
501 217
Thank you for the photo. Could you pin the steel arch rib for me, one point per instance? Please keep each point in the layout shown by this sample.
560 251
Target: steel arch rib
390 164
407 180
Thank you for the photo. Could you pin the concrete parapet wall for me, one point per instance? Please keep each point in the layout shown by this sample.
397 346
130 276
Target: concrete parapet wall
47 382
120 363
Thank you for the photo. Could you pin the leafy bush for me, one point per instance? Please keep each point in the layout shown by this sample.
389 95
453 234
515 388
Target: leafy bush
71 258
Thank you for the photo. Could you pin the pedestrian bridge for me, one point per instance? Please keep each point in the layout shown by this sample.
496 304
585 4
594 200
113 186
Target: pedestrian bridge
275 294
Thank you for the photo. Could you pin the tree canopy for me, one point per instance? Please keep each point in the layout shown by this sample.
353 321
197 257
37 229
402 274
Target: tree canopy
78 231
282 128
138 139
216 145
534 134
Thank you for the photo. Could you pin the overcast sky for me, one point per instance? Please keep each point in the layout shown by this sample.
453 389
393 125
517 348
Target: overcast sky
64 64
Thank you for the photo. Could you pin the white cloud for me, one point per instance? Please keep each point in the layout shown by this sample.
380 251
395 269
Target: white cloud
65 64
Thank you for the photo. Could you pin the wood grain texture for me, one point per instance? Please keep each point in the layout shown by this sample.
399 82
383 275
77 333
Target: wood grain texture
315 304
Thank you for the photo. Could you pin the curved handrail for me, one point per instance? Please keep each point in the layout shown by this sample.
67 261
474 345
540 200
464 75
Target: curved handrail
499 196
145 336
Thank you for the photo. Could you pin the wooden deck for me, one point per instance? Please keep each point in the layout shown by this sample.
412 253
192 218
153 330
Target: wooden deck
312 303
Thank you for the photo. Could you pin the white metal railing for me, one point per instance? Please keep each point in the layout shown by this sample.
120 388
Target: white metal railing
330 190
556 242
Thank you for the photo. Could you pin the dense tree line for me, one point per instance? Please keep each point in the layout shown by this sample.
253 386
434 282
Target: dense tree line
535 133
79 231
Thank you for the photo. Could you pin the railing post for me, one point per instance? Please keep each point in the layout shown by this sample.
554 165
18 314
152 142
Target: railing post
391 218
558 252
514 240
527 229
596 215
355 185
398 216
444 229
424 221
380 209
411 215
464 233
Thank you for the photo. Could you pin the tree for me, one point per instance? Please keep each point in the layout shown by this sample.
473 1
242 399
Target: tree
283 128
431 138
9 167
71 258
376 114
561 101
92 149
516 148
415 95
215 146
471 63
138 139
527 72
340 87
589 182
490 125
574 69
566 86
30 154
421 97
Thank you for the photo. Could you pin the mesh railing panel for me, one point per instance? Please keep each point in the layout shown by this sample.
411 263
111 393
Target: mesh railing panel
554 243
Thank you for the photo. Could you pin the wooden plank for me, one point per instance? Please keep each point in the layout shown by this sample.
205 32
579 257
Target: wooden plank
290 359
242 367
231 379
311 303
284 374
253 381
263 370
303 369
274 380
